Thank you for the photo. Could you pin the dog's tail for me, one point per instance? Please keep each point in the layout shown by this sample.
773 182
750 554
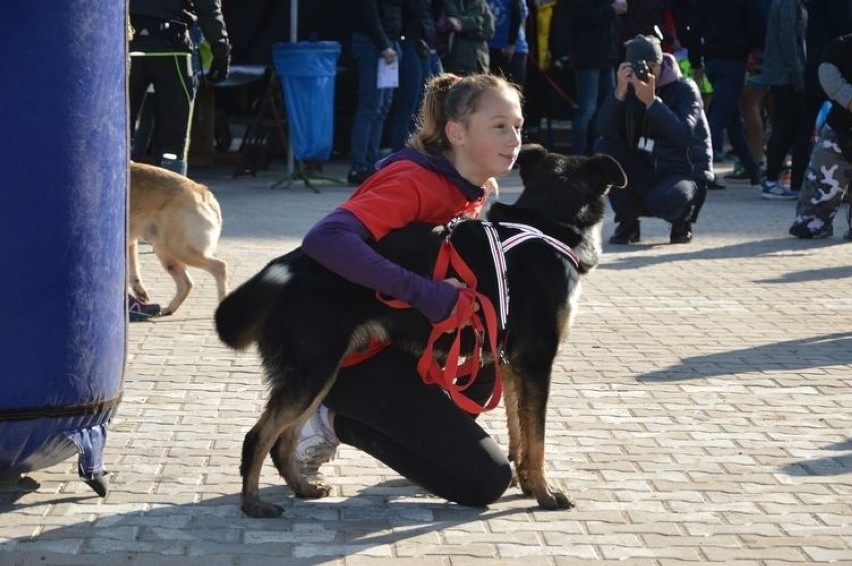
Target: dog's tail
240 315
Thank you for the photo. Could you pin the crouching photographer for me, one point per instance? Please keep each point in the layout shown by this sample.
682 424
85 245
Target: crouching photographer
654 125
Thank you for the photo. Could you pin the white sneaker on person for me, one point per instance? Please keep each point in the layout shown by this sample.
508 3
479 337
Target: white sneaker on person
317 444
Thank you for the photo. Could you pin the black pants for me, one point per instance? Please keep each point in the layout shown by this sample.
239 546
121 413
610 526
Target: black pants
172 76
649 192
792 130
383 408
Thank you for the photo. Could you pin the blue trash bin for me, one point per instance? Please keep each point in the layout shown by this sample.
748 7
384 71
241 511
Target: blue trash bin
63 212
307 70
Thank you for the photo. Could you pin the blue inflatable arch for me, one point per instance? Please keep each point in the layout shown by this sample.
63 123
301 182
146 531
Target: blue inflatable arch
63 206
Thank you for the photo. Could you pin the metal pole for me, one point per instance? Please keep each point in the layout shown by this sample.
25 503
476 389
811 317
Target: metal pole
294 34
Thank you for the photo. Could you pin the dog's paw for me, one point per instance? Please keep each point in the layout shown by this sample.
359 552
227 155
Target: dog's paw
313 490
552 499
261 510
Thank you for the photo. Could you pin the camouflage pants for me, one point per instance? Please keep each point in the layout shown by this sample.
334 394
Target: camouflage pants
825 186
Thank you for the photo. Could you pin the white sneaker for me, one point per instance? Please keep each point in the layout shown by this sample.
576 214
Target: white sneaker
317 443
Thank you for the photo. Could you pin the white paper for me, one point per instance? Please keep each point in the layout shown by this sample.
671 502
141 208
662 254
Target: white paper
388 75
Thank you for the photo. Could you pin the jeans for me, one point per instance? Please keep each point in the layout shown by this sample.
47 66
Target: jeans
728 77
668 195
593 86
414 71
373 104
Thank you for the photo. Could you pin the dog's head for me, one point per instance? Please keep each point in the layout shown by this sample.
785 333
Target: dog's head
563 196
567 189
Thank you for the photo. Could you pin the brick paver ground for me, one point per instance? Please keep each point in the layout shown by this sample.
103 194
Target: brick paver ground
701 412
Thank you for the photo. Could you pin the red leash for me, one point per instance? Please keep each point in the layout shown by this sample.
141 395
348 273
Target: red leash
482 320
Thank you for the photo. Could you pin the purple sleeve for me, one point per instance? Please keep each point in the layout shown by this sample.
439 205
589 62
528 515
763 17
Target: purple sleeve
338 242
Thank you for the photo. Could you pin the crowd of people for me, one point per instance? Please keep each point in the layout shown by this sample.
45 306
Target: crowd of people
746 73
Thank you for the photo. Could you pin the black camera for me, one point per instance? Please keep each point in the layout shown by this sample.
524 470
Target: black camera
640 69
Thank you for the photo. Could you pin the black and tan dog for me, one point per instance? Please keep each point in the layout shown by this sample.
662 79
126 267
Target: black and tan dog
305 319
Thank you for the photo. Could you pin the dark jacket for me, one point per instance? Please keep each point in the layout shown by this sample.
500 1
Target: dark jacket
592 36
641 17
469 51
724 29
676 123
827 20
380 20
208 14
417 22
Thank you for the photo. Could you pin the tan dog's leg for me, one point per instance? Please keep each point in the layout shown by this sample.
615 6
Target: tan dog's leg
272 423
516 449
218 269
177 269
135 279
532 392
282 457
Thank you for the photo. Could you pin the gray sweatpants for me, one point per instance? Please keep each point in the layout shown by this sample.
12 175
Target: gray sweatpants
826 184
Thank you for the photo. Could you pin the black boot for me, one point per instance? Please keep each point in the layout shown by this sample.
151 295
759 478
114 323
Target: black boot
681 232
626 232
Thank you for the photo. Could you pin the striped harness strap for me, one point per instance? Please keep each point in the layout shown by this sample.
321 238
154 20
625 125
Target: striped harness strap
500 248
472 309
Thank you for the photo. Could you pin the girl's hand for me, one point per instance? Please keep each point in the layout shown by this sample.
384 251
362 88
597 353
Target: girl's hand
456 23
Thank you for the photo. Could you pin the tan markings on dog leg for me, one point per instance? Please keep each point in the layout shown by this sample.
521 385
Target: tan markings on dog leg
272 423
532 428
219 270
214 266
177 270
510 401
133 267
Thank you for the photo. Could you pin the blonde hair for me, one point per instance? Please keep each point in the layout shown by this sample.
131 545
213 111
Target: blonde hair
451 98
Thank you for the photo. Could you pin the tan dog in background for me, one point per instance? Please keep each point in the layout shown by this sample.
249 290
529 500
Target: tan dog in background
183 221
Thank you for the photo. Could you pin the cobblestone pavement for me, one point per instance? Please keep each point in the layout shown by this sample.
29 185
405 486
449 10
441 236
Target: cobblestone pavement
701 412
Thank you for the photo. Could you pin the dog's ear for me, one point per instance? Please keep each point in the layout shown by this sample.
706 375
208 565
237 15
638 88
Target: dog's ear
607 170
530 154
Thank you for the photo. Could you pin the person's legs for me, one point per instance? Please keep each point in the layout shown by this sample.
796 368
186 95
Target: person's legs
785 107
728 77
670 198
587 98
413 71
518 70
368 105
826 180
175 87
383 408
627 203
803 141
138 81
751 106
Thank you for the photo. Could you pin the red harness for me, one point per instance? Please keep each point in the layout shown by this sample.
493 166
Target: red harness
454 377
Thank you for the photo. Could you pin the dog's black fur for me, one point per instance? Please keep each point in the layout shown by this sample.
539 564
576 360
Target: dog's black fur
305 319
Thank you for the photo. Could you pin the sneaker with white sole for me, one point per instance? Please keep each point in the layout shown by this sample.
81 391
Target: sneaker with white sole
776 191
317 444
